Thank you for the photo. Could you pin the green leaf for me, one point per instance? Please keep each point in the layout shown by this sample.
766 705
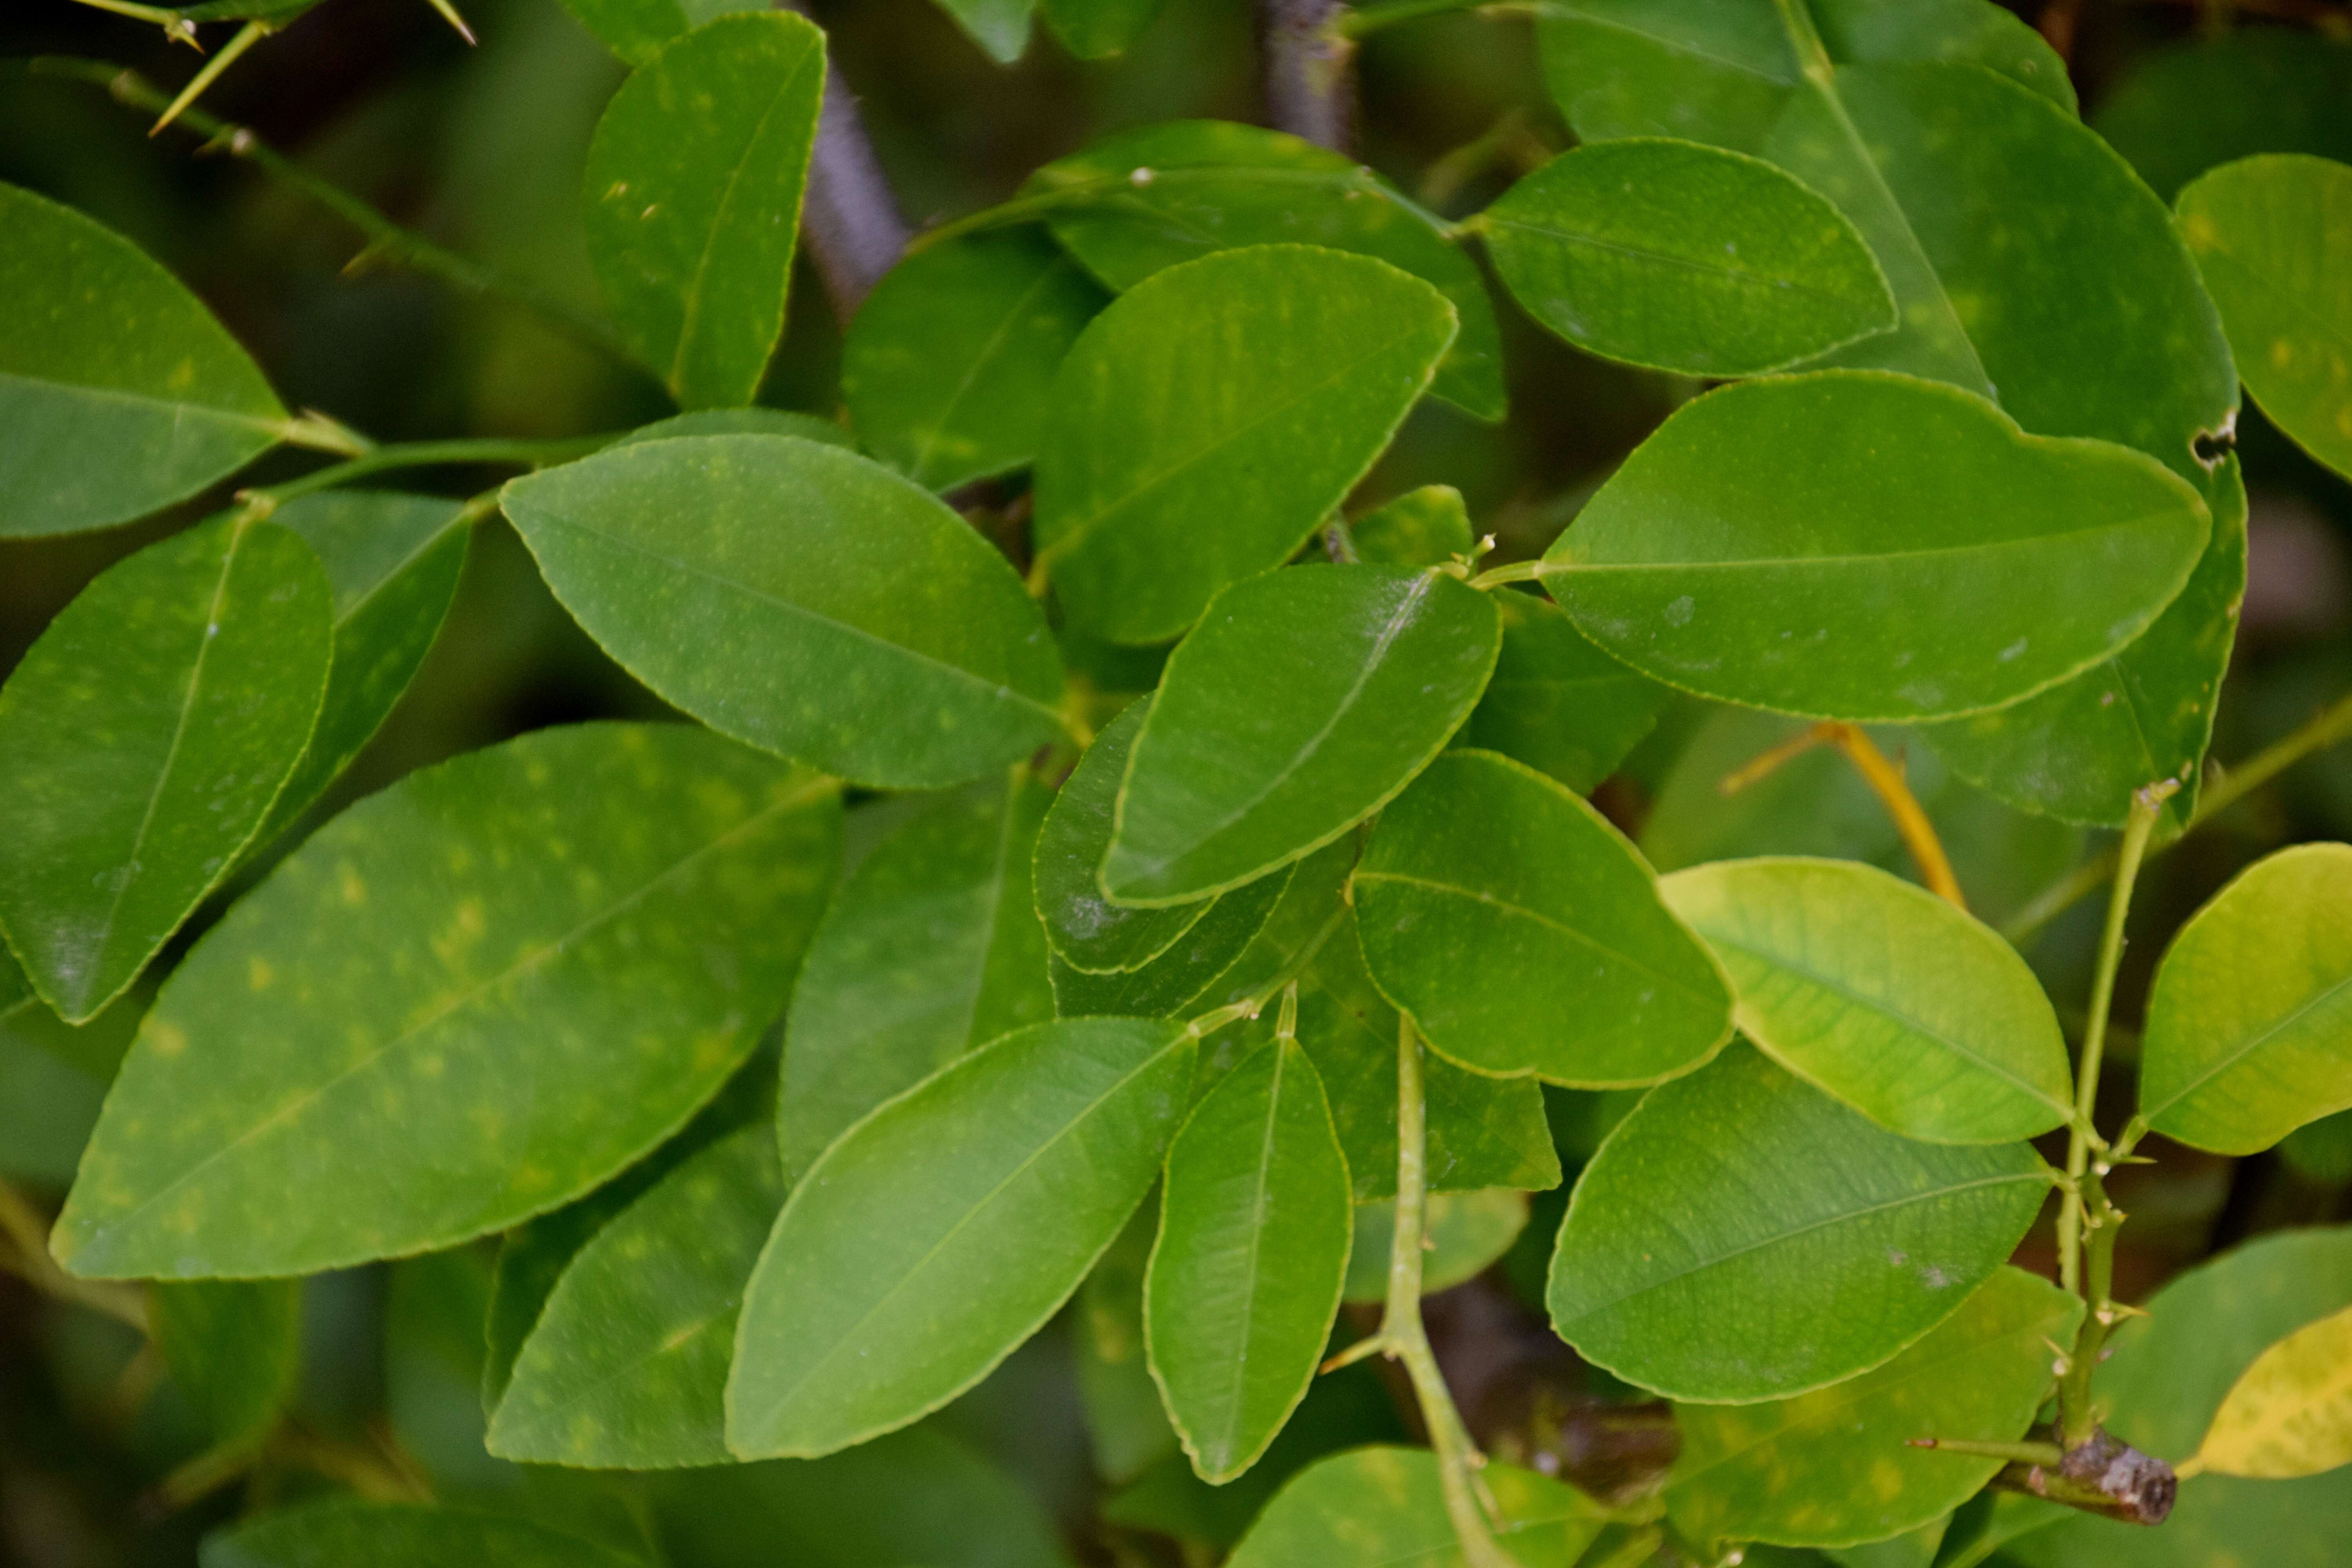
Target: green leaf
464 1001
1211 417
233 1347
693 199
1126 1424
627 1366
142 741
2249 1032
752 421
2215 97
1208 955
1087 931
2291 1414
1149 198
2272 235
1686 257
344 1533
941 1231
2170 1373
1254 1238
2078 750
1832 1467
1233 774
803 599
52 1082
1742 552
2320 1150
1743 1237
636 29
1522 934
949 366
393 562
1558 703
932 947
119 393
1885 996
1000 28
1465 1232
1091 30
1383 1507
1427 527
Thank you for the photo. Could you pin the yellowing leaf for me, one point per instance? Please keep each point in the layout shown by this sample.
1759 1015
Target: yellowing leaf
2290 1413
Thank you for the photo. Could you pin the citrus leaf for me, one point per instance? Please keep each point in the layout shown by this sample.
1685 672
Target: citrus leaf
1384 1507
119 393
1465 1232
348 1533
1127 1422
693 199
1742 553
142 740
635 30
1212 417
2291 1414
932 947
801 598
1882 994
1207 957
1558 703
1679 1270
1090 29
1000 28
465 1001
2194 105
1522 934
752 421
1304 701
233 1347
1686 257
1254 1236
1087 931
941 1231
2249 1031
1427 527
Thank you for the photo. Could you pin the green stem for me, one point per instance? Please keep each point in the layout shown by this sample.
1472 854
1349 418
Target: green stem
1517 572
177 27
1251 1005
2331 725
1812 57
385 238
433 454
1370 19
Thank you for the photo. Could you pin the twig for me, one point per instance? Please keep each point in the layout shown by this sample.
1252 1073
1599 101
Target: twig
177 27
855 232
2329 726
1307 56
1885 781
28 1258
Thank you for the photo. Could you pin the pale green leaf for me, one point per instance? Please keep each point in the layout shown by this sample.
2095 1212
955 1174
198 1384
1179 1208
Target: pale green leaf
1384 1507
2291 1414
142 740
119 393
1522 934
233 1347
2249 1032
1558 703
941 1231
464 1002
1463 1233
1742 551
344 1533
1686 257
1305 701
932 947
803 599
1743 1237
1210 419
1882 994
693 199
1254 1239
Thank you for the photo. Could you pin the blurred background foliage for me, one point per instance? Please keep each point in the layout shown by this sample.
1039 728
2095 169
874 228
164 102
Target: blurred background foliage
481 148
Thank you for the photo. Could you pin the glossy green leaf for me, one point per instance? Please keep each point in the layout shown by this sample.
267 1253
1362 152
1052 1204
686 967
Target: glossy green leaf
1522 934
627 1367
2170 1373
142 740
803 599
752 421
1679 1270
1465 1233
1000 28
2274 236
1833 1468
1091 30
1254 1238
1211 417
344 1533
233 1347
1127 1423
1686 257
1150 198
693 199
1089 931
1383 1507
942 1230
933 946
2078 750
393 562
464 1001
2249 1032
2215 97
1427 527
636 29
2291 1414
1186 977
1558 703
119 393
949 366
1742 551
1882 994
1304 701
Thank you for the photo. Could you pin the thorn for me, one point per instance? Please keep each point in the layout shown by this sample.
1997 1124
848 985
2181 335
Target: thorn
450 15
252 32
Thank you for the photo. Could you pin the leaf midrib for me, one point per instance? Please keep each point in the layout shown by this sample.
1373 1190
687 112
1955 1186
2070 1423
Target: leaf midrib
2317 1000
1746 277
2029 542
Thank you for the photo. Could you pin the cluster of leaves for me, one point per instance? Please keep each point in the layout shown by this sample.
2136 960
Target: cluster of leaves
1237 890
